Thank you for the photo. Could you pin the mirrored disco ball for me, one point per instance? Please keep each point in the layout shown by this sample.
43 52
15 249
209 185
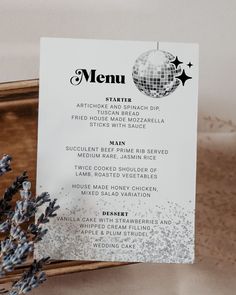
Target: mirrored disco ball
154 75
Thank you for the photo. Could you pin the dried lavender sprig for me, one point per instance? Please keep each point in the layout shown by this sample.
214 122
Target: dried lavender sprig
27 206
36 229
5 164
15 186
24 210
17 248
5 226
42 198
49 212
15 257
31 278
17 233
7 246
9 193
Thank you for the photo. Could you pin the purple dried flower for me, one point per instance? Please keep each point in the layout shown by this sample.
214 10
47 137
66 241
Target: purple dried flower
19 243
5 164
5 226
5 205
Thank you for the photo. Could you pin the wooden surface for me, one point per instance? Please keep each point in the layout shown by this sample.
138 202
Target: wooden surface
18 138
216 175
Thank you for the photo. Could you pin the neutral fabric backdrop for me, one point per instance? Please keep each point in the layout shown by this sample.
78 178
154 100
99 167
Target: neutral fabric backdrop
211 24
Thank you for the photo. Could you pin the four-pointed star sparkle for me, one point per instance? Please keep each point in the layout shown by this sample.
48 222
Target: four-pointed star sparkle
176 62
190 64
183 77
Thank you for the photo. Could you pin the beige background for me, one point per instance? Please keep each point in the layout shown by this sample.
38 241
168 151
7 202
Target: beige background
211 24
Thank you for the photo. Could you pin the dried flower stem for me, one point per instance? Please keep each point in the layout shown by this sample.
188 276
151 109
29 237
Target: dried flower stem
19 243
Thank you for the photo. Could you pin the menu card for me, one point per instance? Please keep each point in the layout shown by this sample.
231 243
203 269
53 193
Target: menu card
117 131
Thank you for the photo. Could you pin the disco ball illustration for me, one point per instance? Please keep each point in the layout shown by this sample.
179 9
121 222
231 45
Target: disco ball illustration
154 74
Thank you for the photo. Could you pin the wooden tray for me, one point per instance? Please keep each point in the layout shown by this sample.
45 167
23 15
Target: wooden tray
18 138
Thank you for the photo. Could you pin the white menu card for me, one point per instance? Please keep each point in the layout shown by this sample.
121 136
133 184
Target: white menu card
117 131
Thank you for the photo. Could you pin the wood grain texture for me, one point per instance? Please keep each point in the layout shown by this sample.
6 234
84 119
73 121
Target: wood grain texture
18 138
216 175
19 90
